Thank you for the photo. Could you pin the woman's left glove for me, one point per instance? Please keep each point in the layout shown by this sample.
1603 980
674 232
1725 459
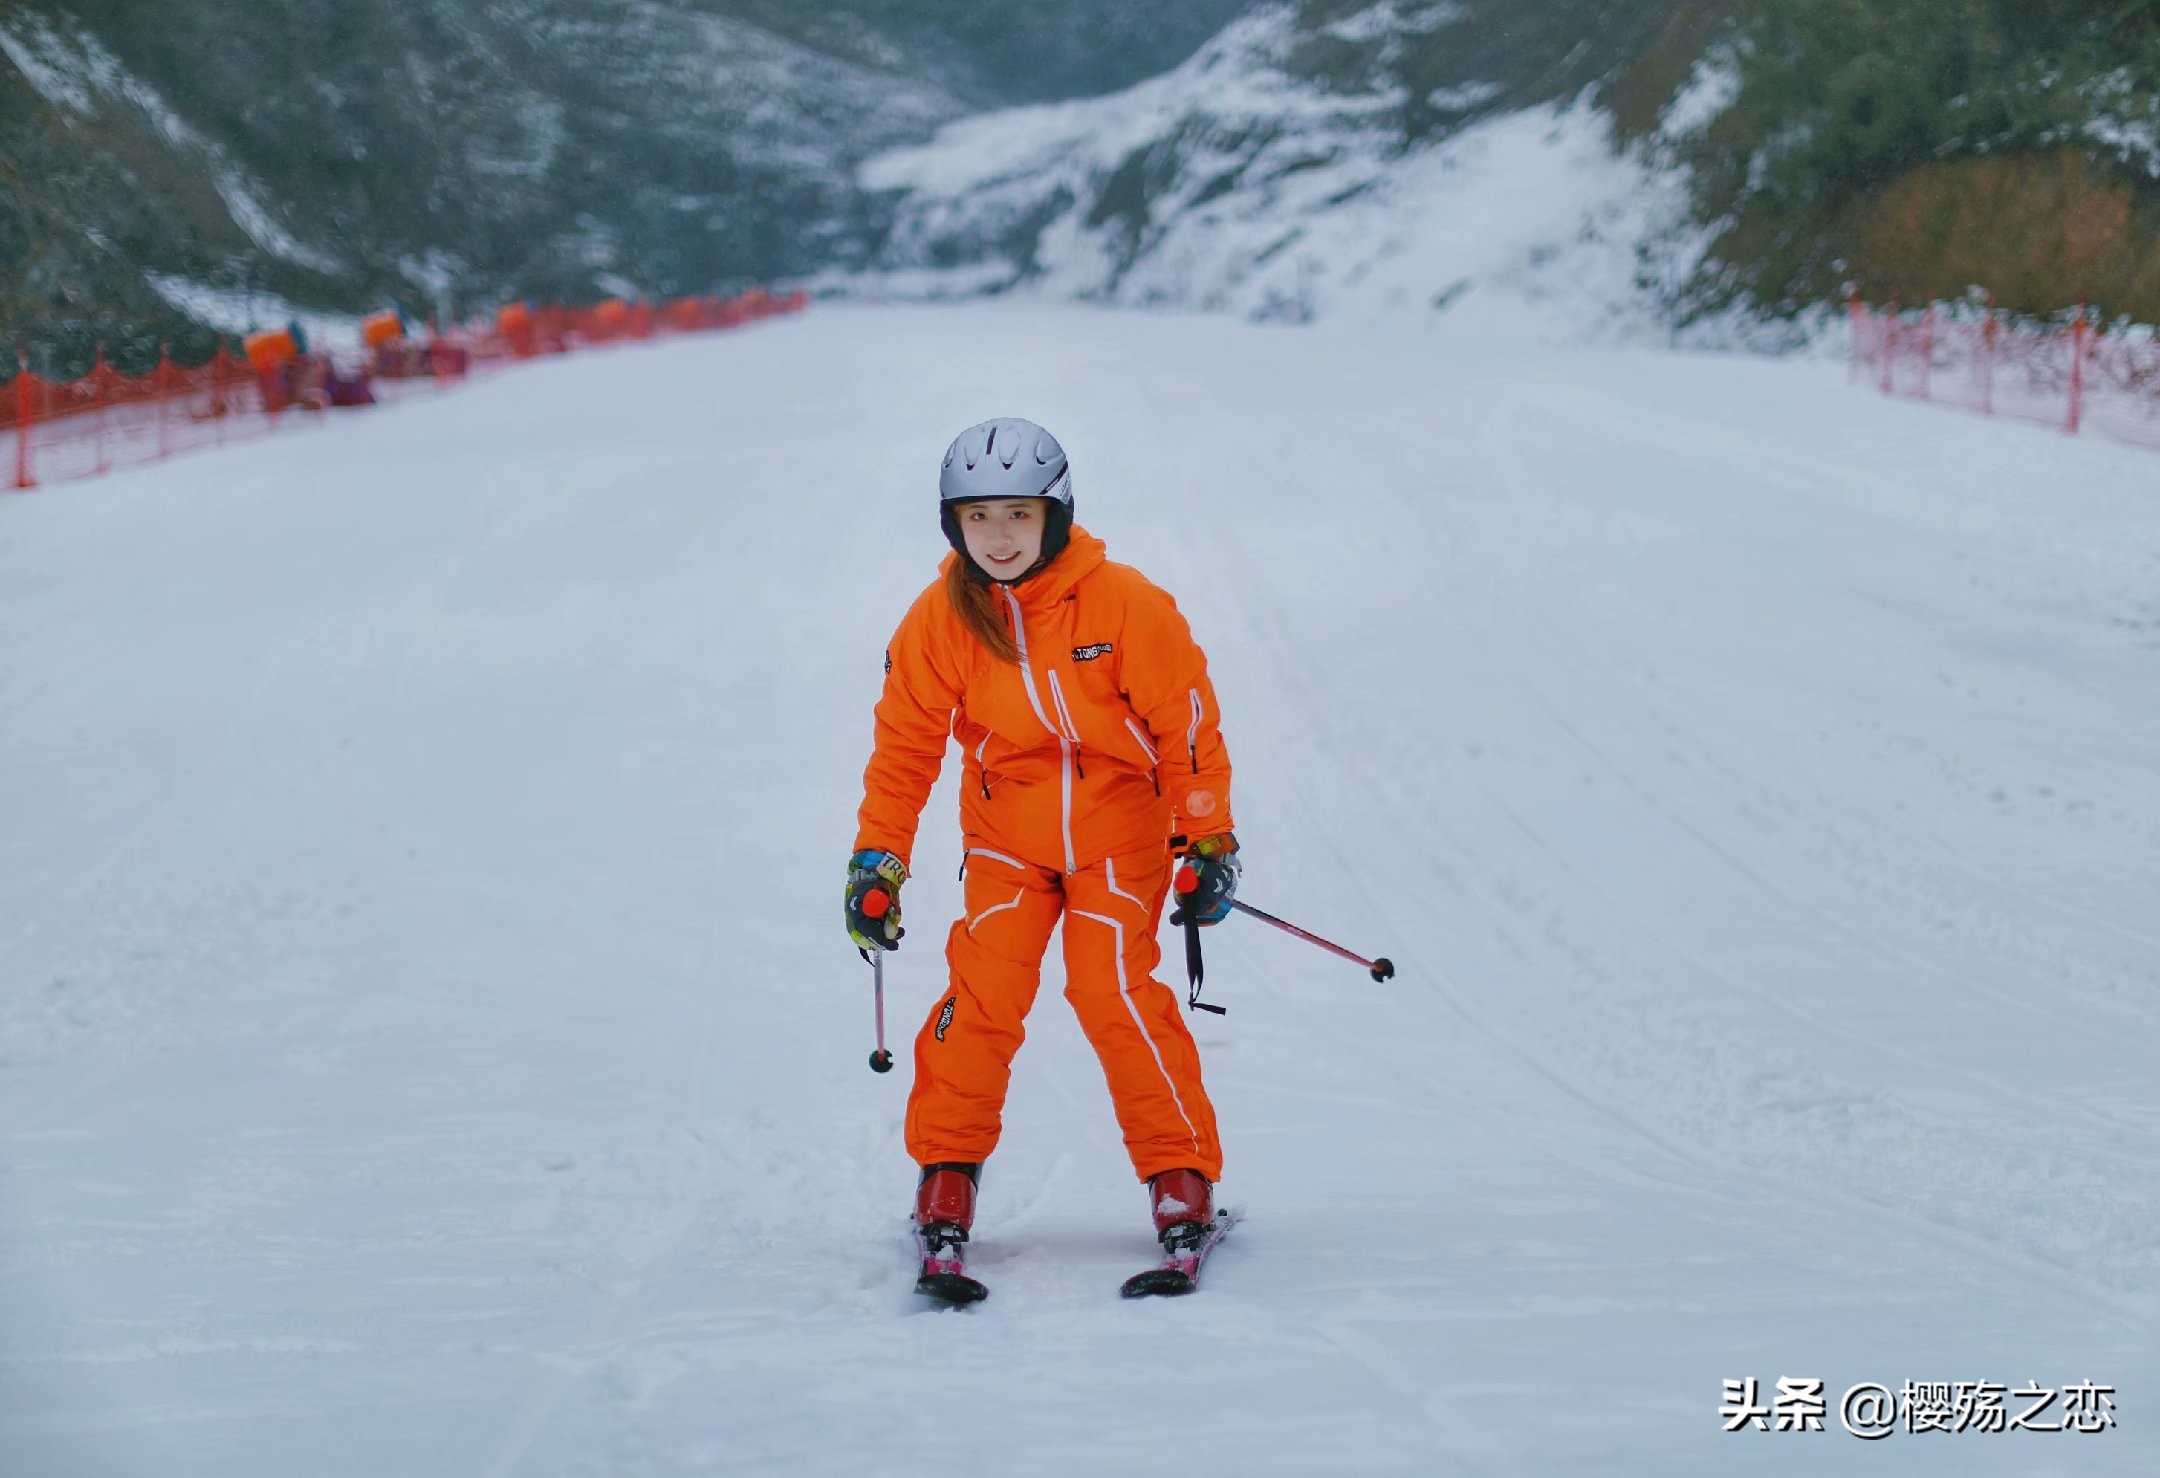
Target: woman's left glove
873 899
1206 880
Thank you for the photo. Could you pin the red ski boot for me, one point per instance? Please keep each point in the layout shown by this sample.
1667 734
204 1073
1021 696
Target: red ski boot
1184 1205
944 1211
1187 1222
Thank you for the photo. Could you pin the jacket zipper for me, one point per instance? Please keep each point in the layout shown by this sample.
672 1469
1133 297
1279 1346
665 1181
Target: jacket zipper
1027 677
1065 718
1192 735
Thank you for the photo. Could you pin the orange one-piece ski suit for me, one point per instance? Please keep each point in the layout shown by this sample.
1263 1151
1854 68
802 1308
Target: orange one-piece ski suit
1078 765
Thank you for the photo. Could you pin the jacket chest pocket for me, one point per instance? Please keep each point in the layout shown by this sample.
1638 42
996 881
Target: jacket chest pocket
1107 717
1091 691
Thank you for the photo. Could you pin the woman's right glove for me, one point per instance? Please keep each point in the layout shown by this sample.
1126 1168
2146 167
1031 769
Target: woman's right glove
873 899
1206 880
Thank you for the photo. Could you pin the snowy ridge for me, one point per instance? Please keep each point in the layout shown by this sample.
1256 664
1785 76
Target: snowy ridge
76 72
239 311
1239 183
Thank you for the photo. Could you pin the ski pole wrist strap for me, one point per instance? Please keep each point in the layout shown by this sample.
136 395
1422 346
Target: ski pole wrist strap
1195 969
1195 972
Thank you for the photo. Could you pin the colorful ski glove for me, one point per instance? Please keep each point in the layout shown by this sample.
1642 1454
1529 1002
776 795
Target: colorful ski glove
1206 880
872 899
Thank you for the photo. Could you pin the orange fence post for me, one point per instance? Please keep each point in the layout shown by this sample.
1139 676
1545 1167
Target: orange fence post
1852 336
2077 372
1889 349
1987 360
1927 349
217 392
24 415
164 392
101 392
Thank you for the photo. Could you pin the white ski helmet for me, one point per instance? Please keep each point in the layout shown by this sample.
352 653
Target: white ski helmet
1007 458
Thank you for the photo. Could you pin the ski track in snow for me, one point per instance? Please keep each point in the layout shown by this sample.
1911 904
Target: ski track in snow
426 1045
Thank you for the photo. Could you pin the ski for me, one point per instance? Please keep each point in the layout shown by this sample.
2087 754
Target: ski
1179 1271
944 1274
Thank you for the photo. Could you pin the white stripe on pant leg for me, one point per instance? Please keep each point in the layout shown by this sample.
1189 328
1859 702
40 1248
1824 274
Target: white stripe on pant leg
1125 995
1110 872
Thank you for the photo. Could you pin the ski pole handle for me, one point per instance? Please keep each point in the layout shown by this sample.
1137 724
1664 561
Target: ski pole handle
1380 969
880 1060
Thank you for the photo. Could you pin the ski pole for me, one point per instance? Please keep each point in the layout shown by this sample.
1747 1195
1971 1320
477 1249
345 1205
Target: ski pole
880 1060
876 904
1382 969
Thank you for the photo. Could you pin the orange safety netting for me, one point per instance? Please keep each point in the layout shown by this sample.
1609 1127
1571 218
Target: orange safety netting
59 430
525 330
2069 375
56 430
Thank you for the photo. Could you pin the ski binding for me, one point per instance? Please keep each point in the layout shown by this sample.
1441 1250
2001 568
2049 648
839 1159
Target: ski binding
1185 1249
944 1275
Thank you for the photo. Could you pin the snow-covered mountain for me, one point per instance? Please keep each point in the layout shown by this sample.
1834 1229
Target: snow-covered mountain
174 162
1395 158
156 151
1614 163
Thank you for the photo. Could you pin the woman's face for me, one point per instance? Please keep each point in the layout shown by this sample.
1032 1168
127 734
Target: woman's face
1004 535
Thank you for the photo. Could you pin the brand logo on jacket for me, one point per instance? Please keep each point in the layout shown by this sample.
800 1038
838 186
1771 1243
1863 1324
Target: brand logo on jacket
944 1016
1089 654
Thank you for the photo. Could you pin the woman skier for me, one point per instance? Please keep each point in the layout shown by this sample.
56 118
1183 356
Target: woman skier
1089 750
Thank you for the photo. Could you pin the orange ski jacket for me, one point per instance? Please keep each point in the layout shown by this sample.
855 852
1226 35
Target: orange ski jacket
1103 740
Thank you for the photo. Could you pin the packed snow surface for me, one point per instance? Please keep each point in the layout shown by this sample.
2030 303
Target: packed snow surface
428 1045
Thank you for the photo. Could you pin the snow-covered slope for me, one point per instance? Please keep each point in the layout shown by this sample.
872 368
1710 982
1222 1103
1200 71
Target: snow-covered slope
1404 160
427 1046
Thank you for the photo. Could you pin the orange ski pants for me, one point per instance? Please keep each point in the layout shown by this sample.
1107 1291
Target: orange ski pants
964 1053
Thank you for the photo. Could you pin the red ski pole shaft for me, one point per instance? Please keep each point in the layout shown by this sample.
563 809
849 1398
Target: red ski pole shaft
1382 969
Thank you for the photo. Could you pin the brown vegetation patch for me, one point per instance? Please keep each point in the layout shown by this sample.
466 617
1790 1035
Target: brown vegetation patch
2038 230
